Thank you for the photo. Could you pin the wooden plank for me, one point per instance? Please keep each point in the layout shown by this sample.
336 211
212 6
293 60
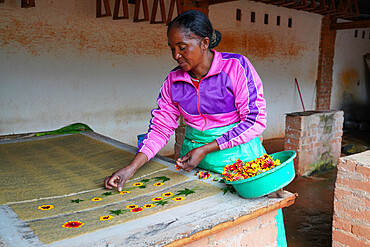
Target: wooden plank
350 25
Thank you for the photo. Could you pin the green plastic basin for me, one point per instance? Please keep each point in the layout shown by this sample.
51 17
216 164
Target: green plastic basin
269 181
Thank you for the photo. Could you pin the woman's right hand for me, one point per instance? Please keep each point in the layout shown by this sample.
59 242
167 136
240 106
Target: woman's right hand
118 178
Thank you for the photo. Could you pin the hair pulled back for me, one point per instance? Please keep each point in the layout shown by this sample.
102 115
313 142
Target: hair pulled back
197 23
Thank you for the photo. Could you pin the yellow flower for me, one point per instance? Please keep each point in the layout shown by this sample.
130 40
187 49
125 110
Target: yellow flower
179 198
107 217
158 184
45 207
167 194
132 206
137 184
96 199
125 192
149 206
157 198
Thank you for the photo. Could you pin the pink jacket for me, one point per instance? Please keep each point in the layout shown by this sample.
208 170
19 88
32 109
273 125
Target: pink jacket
231 92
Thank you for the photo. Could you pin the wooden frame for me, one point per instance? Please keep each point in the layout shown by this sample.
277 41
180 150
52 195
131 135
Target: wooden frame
124 9
154 12
172 7
27 3
106 7
137 9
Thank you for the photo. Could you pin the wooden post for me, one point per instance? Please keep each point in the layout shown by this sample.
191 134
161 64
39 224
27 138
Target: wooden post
172 7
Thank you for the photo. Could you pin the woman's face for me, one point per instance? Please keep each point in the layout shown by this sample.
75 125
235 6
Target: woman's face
188 49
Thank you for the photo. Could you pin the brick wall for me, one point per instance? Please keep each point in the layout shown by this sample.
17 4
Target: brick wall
202 6
325 65
316 137
351 219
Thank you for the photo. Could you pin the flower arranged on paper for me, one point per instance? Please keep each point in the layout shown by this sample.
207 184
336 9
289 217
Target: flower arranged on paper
72 224
177 168
167 194
96 199
125 192
204 175
242 170
159 198
179 198
132 206
149 206
139 209
158 184
106 217
137 184
77 201
45 207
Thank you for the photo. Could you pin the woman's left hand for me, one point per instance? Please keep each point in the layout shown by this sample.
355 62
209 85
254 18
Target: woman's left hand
190 160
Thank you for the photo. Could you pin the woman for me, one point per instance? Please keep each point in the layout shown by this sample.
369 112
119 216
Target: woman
220 96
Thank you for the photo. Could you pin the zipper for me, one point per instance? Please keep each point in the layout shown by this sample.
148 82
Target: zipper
205 120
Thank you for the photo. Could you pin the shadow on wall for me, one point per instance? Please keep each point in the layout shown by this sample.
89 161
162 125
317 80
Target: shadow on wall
356 115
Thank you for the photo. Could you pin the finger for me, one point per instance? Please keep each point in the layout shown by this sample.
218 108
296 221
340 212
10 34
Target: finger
120 185
106 183
113 181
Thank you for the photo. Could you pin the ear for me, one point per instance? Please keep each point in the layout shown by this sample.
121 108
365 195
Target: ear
205 43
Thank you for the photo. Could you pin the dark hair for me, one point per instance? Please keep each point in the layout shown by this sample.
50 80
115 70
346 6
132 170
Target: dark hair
197 23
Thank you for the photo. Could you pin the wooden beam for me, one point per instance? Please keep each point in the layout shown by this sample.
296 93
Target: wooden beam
350 25
1 1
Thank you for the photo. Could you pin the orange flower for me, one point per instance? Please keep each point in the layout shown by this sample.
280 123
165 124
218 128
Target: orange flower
132 206
149 206
96 199
137 184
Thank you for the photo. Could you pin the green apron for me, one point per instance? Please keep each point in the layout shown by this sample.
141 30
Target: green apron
216 161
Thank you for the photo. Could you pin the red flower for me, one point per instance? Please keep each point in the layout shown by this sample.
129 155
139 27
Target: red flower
72 224
136 209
